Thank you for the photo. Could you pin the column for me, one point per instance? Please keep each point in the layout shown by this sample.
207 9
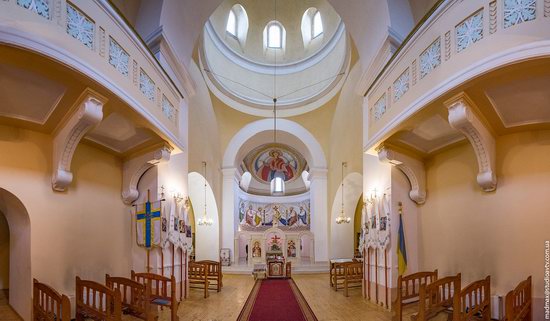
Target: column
229 184
319 212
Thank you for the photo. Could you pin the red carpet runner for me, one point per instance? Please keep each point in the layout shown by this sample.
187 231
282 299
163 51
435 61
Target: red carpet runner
276 300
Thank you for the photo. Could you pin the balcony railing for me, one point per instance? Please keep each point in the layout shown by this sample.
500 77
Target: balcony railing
92 37
458 41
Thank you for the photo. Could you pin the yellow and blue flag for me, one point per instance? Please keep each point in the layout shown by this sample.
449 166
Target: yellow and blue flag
401 248
148 225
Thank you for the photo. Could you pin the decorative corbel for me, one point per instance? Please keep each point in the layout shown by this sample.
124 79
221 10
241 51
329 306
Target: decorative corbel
135 167
412 167
463 119
88 114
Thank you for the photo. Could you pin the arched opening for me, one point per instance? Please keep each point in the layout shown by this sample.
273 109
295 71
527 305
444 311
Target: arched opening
312 25
357 226
274 35
237 23
19 262
207 239
4 260
343 235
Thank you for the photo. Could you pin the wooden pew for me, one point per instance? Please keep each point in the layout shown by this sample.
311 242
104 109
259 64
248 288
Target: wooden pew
214 274
97 302
475 301
338 275
135 297
438 297
48 304
198 276
353 275
408 289
159 291
518 302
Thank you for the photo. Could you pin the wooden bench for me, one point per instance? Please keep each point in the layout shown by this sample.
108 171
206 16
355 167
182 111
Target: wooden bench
338 274
214 274
97 302
475 301
198 276
518 302
163 291
439 296
48 304
353 276
135 297
408 289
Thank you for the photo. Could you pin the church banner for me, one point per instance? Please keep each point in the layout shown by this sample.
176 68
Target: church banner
148 224
261 216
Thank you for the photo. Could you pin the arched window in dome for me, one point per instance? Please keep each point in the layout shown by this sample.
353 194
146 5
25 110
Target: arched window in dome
274 36
312 25
237 23
317 25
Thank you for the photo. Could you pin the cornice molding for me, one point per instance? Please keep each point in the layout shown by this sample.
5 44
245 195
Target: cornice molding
463 119
67 136
412 167
135 167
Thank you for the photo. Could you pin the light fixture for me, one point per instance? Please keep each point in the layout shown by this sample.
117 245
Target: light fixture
342 218
205 220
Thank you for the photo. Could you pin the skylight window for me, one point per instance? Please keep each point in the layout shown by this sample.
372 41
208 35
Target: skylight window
274 36
317 25
232 23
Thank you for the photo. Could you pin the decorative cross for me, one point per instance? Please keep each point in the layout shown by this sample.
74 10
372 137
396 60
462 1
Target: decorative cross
275 239
148 215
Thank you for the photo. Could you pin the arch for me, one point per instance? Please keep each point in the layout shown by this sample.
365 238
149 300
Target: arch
237 23
312 25
207 238
341 235
315 159
274 35
20 276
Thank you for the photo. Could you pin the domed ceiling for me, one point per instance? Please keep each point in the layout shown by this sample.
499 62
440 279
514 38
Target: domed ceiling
253 51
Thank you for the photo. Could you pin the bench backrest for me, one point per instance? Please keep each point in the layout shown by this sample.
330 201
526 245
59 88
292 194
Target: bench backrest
197 271
408 286
162 287
48 304
214 268
353 270
475 299
438 296
134 295
96 301
518 302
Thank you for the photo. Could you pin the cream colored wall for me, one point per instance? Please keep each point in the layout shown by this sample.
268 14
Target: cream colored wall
419 8
4 252
501 234
84 231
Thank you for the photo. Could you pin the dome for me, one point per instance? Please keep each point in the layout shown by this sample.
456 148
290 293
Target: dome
252 52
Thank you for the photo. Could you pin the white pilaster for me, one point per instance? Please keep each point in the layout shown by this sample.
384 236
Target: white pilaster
319 212
229 184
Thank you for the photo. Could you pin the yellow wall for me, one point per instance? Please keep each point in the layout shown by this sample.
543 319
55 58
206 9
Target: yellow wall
4 252
84 231
501 234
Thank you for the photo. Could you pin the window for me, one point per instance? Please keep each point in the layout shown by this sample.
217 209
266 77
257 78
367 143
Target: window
274 36
232 23
278 185
317 25
237 23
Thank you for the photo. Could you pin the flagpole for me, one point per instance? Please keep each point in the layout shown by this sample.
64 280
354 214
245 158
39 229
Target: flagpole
148 250
386 274
368 272
376 273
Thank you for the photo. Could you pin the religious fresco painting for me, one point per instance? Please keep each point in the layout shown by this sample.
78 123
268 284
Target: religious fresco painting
286 216
267 160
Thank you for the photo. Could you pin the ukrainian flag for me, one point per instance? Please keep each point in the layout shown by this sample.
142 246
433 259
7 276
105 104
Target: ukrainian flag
401 249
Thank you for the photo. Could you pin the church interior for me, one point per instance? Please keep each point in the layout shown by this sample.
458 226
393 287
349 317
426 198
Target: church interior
274 160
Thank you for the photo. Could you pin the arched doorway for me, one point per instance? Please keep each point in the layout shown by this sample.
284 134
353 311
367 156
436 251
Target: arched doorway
207 238
19 274
4 260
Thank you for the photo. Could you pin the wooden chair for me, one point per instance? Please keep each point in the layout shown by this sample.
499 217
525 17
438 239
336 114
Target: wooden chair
214 274
475 301
97 302
198 276
408 289
518 302
353 276
135 297
439 296
159 291
48 304
338 275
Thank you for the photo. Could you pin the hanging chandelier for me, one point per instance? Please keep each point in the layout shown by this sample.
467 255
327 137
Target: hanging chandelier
205 220
342 218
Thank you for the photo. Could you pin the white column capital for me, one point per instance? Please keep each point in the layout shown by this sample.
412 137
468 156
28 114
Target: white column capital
317 173
87 115
464 119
